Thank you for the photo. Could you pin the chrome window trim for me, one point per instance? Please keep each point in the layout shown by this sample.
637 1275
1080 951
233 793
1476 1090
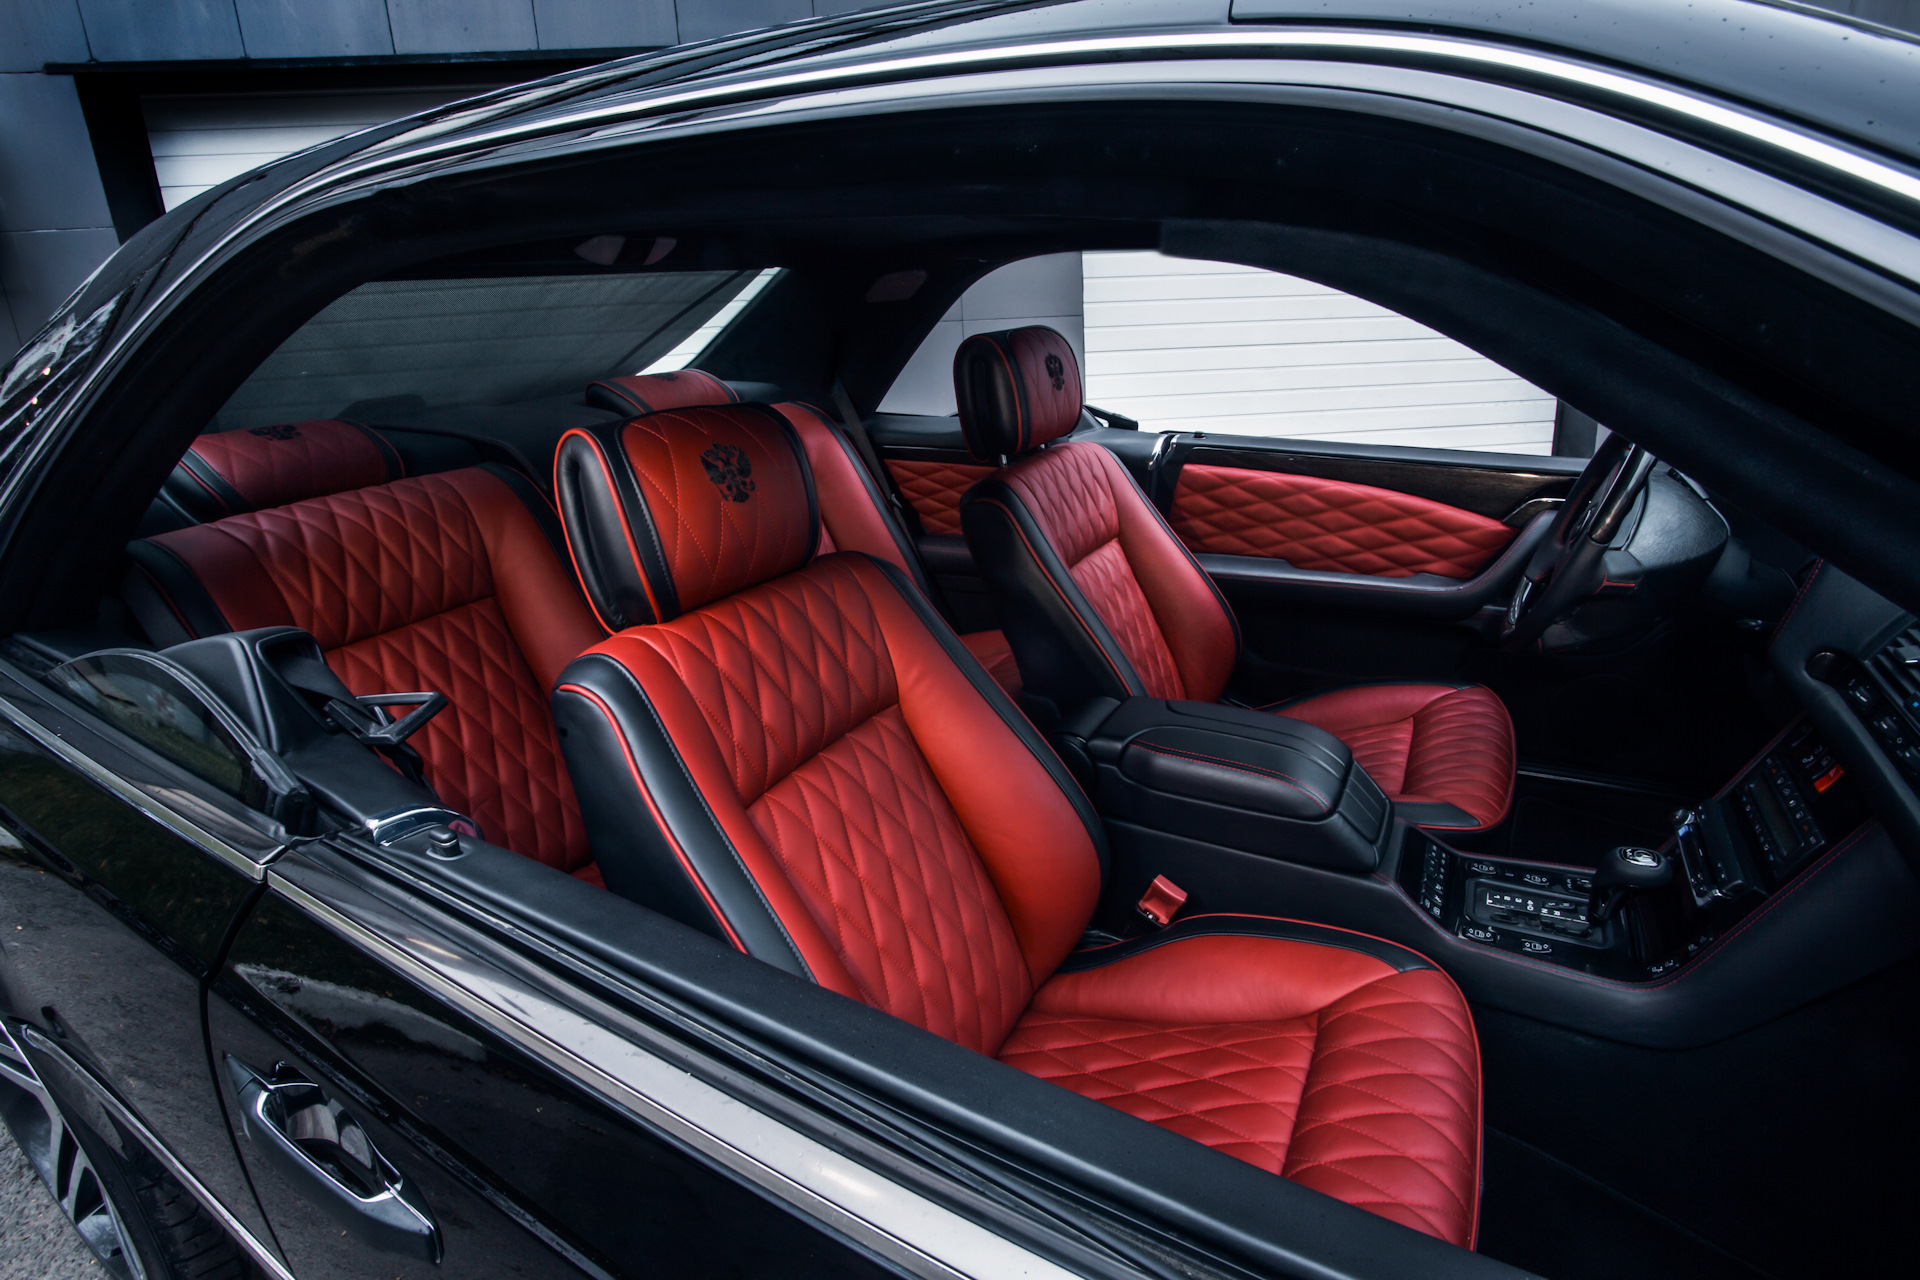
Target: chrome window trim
260 1253
141 799
895 1222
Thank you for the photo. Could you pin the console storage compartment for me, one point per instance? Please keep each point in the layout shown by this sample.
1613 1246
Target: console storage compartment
1242 779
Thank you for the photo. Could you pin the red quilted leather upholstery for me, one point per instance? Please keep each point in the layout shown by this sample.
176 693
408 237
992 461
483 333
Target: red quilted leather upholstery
1151 597
728 498
1322 1065
904 868
440 582
272 466
933 489
1425 742
1331 525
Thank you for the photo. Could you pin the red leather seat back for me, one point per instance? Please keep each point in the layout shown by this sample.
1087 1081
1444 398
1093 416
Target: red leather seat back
673 509
442 582
226 473
844 793
652 392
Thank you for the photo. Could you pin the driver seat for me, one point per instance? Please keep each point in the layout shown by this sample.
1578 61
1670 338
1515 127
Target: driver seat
1100 599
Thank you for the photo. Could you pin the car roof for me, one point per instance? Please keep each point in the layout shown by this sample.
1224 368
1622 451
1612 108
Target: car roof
1851 80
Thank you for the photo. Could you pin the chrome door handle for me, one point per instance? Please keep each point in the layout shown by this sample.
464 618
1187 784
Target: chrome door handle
320 1148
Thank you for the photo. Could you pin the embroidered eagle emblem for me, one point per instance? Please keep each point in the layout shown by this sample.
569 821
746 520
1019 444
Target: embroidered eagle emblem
728 468
279 431
1058 372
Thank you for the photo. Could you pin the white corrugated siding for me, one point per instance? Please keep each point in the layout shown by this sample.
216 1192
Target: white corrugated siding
1207 346
200 142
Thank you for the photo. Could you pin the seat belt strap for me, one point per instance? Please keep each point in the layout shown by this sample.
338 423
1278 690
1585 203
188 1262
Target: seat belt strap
856 430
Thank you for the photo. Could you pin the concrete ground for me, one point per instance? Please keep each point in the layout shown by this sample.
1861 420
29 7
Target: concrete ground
36 1240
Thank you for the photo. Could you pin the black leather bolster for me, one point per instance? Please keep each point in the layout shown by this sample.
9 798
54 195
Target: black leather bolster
1401 958
946 553
603 715
1423 595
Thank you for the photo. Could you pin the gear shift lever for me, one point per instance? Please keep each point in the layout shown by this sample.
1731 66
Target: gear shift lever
1626 870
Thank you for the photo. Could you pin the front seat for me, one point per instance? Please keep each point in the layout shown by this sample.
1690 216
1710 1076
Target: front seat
1099 598
799 757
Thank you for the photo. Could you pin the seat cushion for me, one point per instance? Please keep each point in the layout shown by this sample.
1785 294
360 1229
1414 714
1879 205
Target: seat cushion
443 582
1338 1061
1442 752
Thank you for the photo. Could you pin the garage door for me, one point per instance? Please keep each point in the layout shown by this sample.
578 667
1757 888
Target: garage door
1209 346
200 142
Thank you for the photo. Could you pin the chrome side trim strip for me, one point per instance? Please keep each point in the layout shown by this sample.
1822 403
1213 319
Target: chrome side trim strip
911 1231
260 1253
136 797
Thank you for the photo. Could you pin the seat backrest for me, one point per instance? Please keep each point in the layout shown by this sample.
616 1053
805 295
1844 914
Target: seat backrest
652 392
797 754
226 473
453 582
1096 594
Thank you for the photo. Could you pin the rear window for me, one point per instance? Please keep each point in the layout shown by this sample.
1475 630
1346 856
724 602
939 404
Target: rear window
482 341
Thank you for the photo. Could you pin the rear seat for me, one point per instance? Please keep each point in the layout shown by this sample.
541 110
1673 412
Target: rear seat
455 581
230 472
853 514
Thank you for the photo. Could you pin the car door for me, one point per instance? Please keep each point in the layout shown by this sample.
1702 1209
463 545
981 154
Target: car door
122 875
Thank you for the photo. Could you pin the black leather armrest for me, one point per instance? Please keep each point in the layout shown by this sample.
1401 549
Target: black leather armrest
1245 779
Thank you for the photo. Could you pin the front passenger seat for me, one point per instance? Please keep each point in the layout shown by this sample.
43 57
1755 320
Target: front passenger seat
1099 598
799 757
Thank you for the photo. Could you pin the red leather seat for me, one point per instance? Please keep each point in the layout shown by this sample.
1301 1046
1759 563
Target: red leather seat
454 582
226 473
1099 598
853 514
797 755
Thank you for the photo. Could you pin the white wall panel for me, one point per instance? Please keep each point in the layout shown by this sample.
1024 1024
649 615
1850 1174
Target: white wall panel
200 142
1207 346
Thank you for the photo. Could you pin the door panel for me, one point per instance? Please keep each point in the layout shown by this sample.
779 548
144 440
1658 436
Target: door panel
109 922
524 1173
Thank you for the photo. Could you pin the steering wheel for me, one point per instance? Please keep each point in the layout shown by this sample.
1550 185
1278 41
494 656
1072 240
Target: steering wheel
1570 565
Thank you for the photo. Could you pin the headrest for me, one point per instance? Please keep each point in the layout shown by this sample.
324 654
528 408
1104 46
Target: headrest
1016 390
671 510
226 473
652 392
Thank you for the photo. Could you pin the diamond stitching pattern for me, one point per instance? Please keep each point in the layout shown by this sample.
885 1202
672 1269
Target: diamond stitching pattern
1457 749
797 690
1390 1117
1235 1086
1374 1099
1332 525
1067 491
865 831
492 753
933 489
394 583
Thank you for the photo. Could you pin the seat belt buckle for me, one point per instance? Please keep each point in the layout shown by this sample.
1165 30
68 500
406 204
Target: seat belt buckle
1161 902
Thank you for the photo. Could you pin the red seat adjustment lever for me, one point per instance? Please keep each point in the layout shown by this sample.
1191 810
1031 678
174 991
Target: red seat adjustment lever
1161 902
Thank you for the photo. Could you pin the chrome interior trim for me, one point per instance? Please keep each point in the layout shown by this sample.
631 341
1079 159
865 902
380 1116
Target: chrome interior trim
908 1229
260 1253
138 797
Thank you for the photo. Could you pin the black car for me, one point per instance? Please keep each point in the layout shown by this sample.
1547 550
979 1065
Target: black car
525 751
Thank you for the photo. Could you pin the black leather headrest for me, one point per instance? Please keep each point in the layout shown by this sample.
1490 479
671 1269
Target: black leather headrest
1016 390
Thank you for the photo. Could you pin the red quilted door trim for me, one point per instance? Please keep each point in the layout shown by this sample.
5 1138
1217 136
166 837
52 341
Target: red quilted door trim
1331 525
934 489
